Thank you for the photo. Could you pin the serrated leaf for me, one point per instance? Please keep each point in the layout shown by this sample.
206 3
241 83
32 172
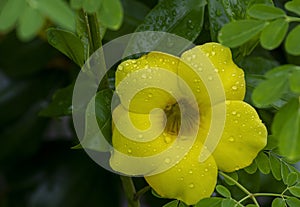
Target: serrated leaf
270 91
111 14
262 161
265 12
278 202
292 45
91 6
274 33
67 43
295 190
211 202
10 13
294 81
251 169
292 178
228 203
286 126
275 166
293 6
223 191
239 32
57 11
293 202
30 23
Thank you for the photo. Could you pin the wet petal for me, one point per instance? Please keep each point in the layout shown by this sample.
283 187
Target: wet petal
144 78
243 137
189 180
231 75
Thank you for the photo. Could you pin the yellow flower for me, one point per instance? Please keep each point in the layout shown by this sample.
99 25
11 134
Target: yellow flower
188 179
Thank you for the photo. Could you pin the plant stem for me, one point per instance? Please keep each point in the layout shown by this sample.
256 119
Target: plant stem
130 191
95 44
293 19
250 195
141 192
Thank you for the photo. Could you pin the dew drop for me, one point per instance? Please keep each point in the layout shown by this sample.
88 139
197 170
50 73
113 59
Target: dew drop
140 136
190 171
150 95
179 169
231 139
234 88
238 115
193 56
206 170
198 90
210 78
120 67
133 61
191 185
259 132
144 76
129 151
213 53
233 74
181 178
236 121
167 139
161 60
189 58
216 70
167 160
233 113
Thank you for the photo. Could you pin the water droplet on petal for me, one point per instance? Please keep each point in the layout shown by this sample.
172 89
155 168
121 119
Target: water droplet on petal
167 160
144 76
167 139
179 169
234 88
210 78
140 136
120 67
190 171
206 170
213 53
150 95
233 113
129 151
233 74
191 185
231 139
181 178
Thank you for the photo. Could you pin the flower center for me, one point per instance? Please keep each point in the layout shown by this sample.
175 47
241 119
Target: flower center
181 116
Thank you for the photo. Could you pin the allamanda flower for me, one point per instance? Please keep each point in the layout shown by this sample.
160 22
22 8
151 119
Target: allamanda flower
189 178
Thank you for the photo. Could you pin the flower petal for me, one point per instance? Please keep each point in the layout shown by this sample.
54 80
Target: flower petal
243 137
189 180
231 75
138 76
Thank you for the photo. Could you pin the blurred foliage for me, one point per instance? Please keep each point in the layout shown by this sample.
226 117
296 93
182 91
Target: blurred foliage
38 166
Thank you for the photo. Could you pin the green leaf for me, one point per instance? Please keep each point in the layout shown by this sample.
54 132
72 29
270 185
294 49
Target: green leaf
275 166
217 17
270 91
292 45
57 11
61 104
273 34
155 193
293 202
251 205
237 33
67 43
265 12
295 190
281 71
92 6
76 4
100 108
278 202
111 14
30 23
286 126
175 203
294 81
285 171
223 191
293 6
292 178
228 203
211 202
10 13
183 18
233 175
251 169
263 163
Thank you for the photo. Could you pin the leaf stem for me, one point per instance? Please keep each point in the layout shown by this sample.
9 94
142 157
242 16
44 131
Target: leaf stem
130 191
250 195
293 19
